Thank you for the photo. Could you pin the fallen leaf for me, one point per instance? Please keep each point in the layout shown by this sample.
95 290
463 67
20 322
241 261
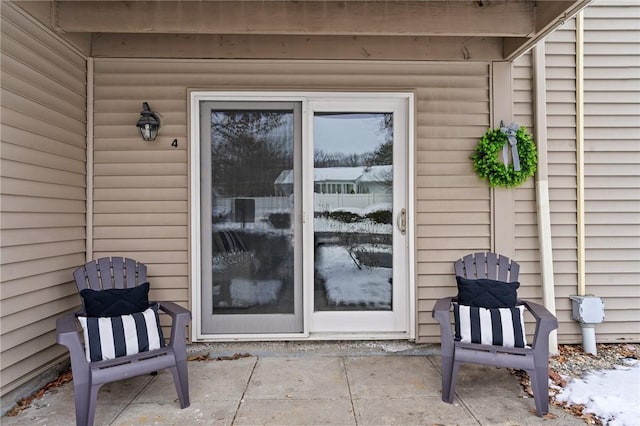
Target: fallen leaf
233 357
204 357
25 403
557 378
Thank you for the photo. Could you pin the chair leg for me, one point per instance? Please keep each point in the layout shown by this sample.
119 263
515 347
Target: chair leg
92 403
449 374
181 382
81 400
540 387
454 378
85 397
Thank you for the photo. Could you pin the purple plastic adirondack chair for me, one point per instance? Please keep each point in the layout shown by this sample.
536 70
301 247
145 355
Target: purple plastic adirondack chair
88 377
534 360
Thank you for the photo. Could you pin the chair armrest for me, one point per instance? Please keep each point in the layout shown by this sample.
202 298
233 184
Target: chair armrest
541 314
175 311
68 330
442 313
180 317
546 322
68 334
442 309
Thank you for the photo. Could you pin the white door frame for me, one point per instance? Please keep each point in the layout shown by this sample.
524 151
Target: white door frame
195 97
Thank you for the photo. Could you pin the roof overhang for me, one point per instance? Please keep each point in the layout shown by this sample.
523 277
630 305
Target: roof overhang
317 29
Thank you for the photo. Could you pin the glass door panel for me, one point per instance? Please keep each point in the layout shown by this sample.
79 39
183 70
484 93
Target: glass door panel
251 271
360 248
353 207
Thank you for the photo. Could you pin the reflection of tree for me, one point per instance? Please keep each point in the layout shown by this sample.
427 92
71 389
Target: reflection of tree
383 154
337 159
385 178
380 156
249 150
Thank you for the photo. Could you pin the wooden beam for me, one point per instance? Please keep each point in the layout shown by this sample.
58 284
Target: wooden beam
296 47
515 44
553 10
504 204
549 16
312 17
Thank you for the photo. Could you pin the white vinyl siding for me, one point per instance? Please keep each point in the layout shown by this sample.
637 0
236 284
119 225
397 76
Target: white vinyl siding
42 193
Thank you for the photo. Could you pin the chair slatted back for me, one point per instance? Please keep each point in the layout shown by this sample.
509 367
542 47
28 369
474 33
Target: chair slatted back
487 265
110 272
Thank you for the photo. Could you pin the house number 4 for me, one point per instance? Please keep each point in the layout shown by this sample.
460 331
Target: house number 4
174 143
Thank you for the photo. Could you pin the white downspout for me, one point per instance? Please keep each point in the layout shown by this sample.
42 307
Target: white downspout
580 150
542 188
89 155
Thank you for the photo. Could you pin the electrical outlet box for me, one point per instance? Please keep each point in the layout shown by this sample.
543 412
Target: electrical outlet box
587 309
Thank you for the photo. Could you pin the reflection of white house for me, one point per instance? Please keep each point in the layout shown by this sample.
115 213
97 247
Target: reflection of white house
283 185
341 180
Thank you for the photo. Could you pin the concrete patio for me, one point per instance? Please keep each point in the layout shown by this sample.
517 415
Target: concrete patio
367 383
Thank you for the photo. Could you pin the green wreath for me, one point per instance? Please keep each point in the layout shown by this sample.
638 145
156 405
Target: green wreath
489 156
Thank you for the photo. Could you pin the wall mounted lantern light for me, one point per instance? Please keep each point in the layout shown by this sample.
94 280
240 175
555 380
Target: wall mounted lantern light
149 123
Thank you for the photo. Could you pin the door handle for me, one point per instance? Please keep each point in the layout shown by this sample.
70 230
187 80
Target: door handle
402 221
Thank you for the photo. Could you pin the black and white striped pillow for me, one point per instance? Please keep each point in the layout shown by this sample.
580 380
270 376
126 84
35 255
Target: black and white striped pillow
496 326
112 337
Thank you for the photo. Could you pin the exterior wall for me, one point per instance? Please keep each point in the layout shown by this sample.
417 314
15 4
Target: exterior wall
612 171
560 60
42 193
525 221
141 195
612 163
141 189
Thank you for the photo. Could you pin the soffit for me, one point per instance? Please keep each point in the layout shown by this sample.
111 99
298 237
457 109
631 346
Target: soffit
364 29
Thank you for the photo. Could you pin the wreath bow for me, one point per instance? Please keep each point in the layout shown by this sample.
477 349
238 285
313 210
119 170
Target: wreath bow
510 131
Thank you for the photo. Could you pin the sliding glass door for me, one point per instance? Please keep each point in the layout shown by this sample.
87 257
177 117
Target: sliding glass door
302 204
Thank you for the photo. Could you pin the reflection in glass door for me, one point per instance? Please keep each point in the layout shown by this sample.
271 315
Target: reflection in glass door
250 199
353 201
359 224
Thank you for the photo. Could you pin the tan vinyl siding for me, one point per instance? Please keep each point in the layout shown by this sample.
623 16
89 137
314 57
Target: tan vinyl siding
612 168
560 73
612 164
42 192
526 230
141 194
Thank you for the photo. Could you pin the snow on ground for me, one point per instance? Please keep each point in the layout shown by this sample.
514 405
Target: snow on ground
321 224
611 395
364 210
346 284
254 292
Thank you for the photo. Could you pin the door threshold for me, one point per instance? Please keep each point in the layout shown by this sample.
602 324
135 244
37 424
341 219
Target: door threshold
314 348
346 337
